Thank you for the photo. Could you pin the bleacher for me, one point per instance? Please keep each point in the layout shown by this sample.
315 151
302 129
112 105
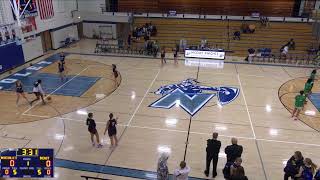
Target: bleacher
220 34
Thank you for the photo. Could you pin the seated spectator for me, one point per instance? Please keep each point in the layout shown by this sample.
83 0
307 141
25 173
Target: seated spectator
182 172
236 35
264 21
146 37
252 28
251 54
291 44
237 171
244 27
293 165
307 170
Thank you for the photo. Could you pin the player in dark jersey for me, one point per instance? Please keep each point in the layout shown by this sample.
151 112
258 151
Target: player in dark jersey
20 92
61 70
175 55
112 130
163 56
92 130
62 57
62 67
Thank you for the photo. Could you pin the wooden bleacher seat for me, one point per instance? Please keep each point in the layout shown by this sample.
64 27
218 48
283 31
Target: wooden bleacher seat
220 34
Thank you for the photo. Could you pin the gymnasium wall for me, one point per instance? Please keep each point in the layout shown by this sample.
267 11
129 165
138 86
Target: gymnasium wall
32 49
62 16
11 56
91 5
216 7
60 34
89 27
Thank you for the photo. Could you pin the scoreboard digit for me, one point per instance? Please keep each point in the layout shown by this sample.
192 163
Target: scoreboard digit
26 162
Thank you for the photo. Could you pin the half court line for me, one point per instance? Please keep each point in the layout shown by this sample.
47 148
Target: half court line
252 128
194 132
134 113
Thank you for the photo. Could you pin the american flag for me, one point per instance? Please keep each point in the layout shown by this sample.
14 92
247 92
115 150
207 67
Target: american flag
45 9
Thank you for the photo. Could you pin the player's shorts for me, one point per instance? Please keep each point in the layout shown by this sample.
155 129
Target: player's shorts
299 108
92 131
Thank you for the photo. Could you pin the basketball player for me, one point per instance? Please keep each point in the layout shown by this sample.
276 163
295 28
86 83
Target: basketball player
62 57
92 130
299 103
20 92
62 67
61 70
112 130
38 92
163 56
175 55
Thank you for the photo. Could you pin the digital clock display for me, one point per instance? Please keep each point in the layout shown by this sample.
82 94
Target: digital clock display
26 163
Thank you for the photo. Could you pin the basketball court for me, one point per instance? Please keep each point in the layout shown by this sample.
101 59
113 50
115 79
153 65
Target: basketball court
168 108
258 114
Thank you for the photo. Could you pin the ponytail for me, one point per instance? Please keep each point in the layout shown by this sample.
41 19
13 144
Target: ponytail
313 167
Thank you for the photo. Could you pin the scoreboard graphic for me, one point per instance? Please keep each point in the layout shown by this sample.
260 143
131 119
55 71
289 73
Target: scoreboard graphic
26 163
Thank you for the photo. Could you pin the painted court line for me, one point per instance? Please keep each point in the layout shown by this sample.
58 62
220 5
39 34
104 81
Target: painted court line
192 132
56 89
245 102
252 128
147 91
110 170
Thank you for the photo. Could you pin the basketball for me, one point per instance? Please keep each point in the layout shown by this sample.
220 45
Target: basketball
49 98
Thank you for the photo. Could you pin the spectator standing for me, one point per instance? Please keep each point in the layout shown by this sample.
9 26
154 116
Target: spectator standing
233 151
7 34
307 170
299 103
13 32
129 40
182 172
239 174
284 52
162 168
293 165
237 171
213 149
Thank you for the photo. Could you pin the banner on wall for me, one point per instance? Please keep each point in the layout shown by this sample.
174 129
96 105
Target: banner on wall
30 9
29 24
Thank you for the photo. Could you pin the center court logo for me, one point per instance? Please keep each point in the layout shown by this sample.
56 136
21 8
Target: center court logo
191 96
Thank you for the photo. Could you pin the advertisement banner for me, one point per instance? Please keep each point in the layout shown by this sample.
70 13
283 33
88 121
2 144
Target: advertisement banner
208 54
